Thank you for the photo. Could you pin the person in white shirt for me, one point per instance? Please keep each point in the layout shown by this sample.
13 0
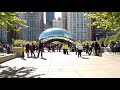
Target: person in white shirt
80 48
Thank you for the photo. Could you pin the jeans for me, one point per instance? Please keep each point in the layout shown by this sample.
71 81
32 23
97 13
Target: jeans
40 50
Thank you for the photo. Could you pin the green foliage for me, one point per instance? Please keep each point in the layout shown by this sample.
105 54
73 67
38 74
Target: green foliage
118 36
101 40
22 42
107 40
19 42
12 20
106 20
113 37
112 42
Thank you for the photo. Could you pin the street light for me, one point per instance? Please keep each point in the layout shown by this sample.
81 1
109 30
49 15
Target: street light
96 36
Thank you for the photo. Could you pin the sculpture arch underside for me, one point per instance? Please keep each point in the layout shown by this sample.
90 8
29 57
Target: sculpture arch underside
60 39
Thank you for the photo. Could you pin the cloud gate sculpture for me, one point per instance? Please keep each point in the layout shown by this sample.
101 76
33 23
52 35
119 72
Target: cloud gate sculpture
56 34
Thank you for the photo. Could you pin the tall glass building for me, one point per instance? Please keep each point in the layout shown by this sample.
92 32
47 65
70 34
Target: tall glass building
35 22
77 25
49 19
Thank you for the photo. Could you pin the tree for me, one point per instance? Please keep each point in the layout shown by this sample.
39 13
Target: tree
107 40
113 37
118 36
112 43
106 20
11 19
101 40
19 42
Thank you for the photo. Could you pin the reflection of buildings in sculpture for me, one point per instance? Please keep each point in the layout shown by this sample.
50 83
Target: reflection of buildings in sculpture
57 38
56 34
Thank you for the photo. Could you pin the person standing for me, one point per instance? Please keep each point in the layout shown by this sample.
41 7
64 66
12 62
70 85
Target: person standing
97 48
27 49
90 49
76 49
59 46
33 46
87 48
63 47
32 50
102 44
40 49
66 48
80 48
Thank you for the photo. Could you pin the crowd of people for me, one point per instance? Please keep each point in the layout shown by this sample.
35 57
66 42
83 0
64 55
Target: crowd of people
31 49
6 48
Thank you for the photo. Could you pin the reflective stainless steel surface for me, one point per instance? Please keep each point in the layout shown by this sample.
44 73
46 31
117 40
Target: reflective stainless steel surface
56 34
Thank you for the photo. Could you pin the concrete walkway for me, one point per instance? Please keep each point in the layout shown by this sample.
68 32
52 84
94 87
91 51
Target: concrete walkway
58 65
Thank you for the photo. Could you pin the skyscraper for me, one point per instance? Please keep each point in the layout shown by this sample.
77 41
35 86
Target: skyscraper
3 35
77 25
49 19
35 22
57 23
64 20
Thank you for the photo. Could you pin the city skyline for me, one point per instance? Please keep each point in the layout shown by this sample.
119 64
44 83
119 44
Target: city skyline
57 14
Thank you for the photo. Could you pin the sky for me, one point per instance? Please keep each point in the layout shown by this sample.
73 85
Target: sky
57 14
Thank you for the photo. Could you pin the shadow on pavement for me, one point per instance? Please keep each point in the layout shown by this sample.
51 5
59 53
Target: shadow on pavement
85 58
43 58
23 72
86 55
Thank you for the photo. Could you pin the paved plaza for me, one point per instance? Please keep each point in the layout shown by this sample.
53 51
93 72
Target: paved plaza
58 65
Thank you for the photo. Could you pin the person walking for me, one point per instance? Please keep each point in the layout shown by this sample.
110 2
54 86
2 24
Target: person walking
23 50
80 48
40 49
32 50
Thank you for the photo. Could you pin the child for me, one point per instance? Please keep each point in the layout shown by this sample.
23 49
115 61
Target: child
23 50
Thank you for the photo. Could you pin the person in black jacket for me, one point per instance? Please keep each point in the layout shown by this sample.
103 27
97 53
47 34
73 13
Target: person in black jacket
40 49
97 48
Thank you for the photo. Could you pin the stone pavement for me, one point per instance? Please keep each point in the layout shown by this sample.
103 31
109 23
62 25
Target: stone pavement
58 65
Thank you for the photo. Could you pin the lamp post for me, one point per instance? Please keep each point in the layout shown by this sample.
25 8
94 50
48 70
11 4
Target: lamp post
96 36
